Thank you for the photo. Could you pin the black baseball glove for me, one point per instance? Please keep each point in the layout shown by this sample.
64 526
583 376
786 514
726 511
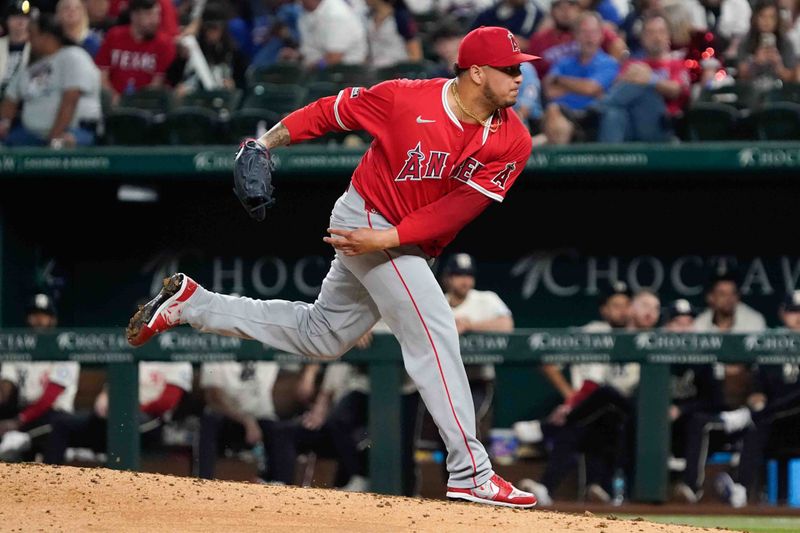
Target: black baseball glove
252 178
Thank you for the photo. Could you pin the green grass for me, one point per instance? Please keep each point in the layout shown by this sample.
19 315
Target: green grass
751 524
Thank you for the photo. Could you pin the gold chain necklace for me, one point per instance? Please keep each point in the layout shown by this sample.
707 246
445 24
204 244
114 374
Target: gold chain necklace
492 127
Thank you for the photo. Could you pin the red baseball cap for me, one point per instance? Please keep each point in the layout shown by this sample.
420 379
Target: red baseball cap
493 46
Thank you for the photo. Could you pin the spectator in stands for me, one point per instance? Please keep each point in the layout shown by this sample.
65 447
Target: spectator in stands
15 48
33 395
697 397
330 34
766 55
726 312
446 38
555 40
73 17
605 8
529 101
392 34
475 311
275 34
577 81
59 93
790 20
161 388
240 411
99 19
773 411
648 93
136 55
520 17
594 416
462 10
727 19
211 60
122 12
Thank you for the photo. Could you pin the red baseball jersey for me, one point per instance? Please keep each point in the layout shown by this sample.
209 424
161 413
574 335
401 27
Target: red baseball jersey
127 59
421 151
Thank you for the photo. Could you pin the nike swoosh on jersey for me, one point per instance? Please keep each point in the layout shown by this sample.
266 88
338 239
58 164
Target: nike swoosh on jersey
421 120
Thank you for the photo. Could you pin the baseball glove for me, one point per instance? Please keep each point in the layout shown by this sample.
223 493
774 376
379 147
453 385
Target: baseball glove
252 178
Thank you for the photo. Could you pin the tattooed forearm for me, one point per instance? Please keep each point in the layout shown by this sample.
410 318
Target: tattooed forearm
278 135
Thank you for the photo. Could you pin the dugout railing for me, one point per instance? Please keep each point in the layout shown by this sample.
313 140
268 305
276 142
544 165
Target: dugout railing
654 350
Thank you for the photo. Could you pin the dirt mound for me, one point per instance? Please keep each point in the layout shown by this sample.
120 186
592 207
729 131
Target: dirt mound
34 497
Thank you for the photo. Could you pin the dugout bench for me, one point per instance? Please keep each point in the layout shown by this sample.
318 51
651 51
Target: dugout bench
655 351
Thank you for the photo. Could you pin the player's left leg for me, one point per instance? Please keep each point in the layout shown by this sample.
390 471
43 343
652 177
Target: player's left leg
325 329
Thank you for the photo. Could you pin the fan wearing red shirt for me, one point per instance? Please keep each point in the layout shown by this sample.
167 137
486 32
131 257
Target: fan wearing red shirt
558 41
647 92
137 55
444 150
169 16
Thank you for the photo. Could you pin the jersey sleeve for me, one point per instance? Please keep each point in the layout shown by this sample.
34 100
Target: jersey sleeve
496 177
354 108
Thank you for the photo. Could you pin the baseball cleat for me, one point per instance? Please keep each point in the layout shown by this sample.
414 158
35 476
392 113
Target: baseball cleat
162 312
496 491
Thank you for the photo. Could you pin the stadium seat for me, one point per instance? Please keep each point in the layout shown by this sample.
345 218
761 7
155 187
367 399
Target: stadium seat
281 99
280 73
129 126
412 71
740 95
246 123
706 121
192 125
788 92
778 121
156 100
219 100
347 75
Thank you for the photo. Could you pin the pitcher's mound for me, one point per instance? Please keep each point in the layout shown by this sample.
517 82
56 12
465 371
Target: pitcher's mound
34 497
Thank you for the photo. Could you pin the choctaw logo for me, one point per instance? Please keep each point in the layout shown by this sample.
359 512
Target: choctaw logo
514 43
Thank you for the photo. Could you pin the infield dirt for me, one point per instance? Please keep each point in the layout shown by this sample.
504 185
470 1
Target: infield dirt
36 497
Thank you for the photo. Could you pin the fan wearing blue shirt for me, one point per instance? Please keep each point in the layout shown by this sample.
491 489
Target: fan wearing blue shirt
577 81
520 17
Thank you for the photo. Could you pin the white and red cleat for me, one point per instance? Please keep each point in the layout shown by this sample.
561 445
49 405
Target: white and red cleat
496 491
162 312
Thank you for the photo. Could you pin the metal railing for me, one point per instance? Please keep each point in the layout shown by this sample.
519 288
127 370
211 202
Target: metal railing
654 350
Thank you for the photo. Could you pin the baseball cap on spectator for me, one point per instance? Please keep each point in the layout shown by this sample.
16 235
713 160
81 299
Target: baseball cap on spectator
41 303
459 265
791 302
18 8
492 46
680 307
613 289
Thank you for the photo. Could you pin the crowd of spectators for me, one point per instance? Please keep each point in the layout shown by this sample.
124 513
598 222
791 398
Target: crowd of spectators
741 411
611 70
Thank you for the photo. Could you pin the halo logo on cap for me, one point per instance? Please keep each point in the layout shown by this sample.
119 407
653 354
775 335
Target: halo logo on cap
514 43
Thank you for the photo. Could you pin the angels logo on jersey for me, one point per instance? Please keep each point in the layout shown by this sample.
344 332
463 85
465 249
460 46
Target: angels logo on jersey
502 177
413 167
